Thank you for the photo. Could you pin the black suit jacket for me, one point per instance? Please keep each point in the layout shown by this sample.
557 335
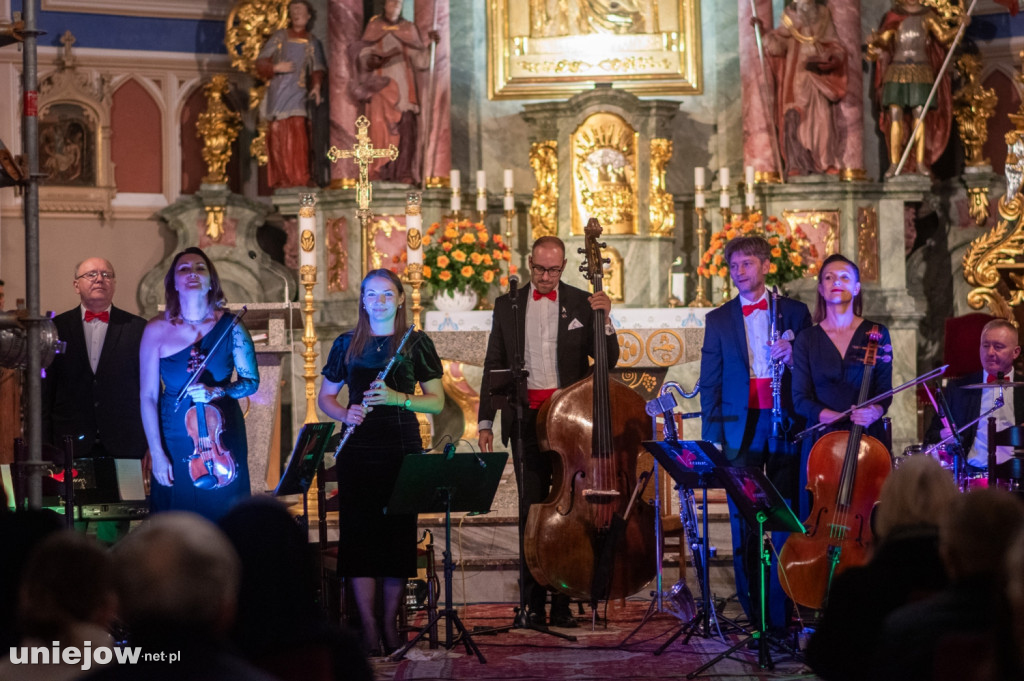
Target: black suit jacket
103 406
725 369
575 346
965 406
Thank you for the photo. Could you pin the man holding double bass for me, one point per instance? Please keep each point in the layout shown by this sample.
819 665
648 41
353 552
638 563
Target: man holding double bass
555 323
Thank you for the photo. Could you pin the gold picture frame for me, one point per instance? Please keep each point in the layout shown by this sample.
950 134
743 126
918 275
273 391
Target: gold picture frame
554 49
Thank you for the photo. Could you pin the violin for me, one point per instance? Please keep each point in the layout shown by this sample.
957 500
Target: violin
210 466
845 472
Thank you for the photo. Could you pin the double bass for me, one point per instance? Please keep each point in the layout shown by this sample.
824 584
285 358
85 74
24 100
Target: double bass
593 538
845 472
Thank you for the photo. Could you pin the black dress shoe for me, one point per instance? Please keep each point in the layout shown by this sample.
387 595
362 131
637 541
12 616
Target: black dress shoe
536 618
565 620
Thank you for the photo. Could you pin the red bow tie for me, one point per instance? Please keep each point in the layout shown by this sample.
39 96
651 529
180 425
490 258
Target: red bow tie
749 309
102 316
992 378
550 295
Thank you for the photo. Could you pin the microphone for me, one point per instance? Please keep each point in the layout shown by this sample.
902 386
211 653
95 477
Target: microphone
513 287
287 298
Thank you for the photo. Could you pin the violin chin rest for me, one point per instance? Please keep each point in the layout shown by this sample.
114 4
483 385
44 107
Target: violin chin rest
205 482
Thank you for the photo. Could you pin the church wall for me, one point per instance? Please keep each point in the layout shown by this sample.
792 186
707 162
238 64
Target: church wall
136 147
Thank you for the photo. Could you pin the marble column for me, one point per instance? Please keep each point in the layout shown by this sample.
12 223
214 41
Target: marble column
757 120
344 27
437 87
846 16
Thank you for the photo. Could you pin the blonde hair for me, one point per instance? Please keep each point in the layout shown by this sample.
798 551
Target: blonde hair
917 493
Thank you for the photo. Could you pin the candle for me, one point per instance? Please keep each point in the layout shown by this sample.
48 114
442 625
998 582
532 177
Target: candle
510 201
698 200
481 200
698 176
723 200
508 178
750 176
723 177
307 230
455 179
678 285
456 202
413 229
749 199
481 180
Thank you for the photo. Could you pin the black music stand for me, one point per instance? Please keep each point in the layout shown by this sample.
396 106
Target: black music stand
436 483
762 505
690 465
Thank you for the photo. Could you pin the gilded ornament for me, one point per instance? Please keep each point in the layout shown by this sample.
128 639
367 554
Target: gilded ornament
662 205
214 222
544 207
604 174
218 127
414 239
249 24
973 105
308 240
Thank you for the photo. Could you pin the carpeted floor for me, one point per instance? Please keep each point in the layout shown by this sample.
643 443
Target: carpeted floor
526 655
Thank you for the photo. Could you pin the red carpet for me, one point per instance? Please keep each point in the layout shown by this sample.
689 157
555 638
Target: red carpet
525 655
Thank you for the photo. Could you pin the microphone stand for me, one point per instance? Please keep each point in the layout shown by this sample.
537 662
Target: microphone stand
514 398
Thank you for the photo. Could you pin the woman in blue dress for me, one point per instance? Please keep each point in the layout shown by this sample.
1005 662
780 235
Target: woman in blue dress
375 547
828 361
173 345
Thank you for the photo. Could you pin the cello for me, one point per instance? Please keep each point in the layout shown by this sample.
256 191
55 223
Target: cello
845 472
593 538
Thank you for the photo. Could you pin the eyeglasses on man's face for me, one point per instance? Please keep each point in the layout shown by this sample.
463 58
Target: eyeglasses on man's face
541 271
93 275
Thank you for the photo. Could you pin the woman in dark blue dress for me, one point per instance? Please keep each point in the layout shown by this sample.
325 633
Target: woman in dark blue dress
173 344
374 546
828 361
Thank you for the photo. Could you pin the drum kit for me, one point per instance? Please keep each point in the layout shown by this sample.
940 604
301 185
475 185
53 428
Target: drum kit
1009 474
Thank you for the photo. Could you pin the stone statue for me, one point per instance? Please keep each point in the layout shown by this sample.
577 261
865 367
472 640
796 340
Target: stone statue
388 59
909 48
293 62
809 65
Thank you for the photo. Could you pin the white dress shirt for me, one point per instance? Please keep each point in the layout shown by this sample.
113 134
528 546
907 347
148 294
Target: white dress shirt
540 353
95 333
758 326
978 455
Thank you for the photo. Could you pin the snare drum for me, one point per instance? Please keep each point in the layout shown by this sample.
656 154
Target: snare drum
941 453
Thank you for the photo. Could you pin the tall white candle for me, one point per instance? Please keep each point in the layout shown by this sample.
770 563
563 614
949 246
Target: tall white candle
455 179
413 229
724 201
481 202
723 177
307 238
750 176
698 176
508 178
749 199
698 200
481 180
510 201
456 202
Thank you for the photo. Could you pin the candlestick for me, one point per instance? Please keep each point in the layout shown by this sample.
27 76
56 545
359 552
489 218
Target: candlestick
700 300
307 230
413 229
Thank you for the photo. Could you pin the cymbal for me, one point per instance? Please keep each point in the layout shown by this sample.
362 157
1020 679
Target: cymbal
993 385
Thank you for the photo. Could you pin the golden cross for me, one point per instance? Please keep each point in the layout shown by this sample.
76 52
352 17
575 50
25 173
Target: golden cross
363 153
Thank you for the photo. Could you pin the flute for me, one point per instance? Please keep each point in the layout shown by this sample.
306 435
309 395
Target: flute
380 377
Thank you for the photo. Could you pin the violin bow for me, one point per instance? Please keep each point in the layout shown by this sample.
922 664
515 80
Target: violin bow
202 365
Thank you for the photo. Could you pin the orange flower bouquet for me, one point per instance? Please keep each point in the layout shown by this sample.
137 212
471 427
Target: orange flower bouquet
792 254
462 256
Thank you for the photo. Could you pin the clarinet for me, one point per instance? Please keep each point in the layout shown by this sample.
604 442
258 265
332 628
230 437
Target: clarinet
777 366
380 377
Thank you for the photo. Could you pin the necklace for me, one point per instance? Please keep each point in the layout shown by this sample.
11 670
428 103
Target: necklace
193 322
380 345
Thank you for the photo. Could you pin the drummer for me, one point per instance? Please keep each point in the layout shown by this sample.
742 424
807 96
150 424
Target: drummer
999 348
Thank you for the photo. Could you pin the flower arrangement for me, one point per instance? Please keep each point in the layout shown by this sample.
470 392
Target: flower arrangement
789 256
462 256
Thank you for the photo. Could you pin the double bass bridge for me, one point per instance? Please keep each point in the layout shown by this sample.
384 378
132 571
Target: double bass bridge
599 496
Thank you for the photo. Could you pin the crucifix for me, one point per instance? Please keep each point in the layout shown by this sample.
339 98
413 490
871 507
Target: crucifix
363 153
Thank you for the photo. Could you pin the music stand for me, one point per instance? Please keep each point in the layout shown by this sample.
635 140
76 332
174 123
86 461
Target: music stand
760 504
435 483
690 465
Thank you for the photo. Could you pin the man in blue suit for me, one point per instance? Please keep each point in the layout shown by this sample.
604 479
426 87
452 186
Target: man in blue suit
736 401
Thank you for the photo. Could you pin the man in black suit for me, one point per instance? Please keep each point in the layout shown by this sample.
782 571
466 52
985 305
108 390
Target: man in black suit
998 349
555 322
736 400
91 391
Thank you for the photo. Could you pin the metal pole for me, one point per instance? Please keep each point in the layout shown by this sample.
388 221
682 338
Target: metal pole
935 88
30 144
